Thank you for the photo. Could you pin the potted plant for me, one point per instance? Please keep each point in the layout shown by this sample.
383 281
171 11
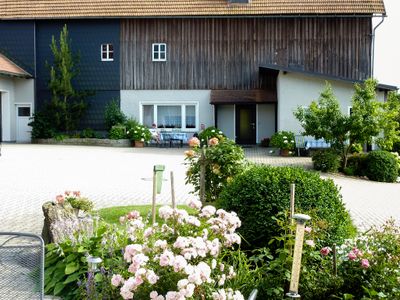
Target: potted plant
284 140
139 135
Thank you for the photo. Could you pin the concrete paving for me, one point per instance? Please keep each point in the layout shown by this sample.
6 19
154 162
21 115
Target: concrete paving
33 174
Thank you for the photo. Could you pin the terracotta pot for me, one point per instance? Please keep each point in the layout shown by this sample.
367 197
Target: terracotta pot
139 144
284 152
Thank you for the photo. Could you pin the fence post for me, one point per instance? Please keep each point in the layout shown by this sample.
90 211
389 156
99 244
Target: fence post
202 176
172 190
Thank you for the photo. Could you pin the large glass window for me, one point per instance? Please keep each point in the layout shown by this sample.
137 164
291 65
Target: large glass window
181 116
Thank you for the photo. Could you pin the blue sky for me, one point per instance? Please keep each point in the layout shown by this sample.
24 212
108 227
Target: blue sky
387 45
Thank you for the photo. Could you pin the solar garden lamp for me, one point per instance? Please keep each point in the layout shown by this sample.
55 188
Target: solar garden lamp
298 249
93 263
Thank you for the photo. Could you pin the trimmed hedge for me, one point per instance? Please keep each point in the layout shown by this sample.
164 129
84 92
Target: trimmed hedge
326 160
261 192
356 165
381 166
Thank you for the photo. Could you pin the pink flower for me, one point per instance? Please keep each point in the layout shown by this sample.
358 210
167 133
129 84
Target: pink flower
357 252
364 263
133 215
194 142
60 199
308 229
76 193
189 153
116 280
213 141
352 255
195 204
310 243
152 277
325 251
67 193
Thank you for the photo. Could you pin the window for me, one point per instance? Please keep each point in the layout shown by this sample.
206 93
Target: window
159 52
24 111
181 116
107 52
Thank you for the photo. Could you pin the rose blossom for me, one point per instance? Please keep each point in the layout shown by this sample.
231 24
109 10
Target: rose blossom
365 263
195 204
194 142
310 243
189 153
352 255
325 251
60 199
152 277
213 141
208 211
116 280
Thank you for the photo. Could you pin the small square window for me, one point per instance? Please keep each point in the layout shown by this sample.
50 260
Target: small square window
107 52
24 111
159 52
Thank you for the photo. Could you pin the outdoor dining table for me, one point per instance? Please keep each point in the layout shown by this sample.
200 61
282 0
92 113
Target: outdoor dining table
173 136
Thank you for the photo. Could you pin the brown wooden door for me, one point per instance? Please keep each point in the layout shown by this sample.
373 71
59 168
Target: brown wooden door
246 124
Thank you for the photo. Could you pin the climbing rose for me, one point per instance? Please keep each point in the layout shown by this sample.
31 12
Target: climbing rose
194 142
352 255
325 251
213 141
365 263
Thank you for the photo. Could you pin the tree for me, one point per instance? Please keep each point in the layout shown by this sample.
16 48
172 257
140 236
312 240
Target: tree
324 119
67 105
390 123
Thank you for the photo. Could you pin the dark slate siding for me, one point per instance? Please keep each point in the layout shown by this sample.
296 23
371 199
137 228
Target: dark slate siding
17 43
103 78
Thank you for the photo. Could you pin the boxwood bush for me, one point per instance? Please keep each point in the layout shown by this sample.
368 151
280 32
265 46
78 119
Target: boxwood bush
381 166
326 160
261 192
356 165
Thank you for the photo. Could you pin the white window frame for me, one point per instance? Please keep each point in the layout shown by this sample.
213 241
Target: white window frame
183 114
107 52
158 52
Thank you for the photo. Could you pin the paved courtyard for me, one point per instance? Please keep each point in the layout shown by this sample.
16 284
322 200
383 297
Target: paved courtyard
33 174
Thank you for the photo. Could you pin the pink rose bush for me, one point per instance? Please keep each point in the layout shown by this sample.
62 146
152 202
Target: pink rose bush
180 258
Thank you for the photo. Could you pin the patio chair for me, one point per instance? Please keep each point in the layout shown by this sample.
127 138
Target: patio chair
21 266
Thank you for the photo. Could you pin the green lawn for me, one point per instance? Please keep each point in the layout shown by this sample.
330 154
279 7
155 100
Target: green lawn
111 214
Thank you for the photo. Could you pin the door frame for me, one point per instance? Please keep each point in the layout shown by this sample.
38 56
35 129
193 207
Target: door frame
237 121
16 116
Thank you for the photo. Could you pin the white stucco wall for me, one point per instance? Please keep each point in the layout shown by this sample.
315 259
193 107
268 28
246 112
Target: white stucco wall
265 121
296 89
131 101
226 120
14 91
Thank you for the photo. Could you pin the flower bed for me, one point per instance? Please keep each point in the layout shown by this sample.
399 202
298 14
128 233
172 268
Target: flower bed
85 142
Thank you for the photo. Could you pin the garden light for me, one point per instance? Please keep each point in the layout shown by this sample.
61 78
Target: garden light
93 263
298 248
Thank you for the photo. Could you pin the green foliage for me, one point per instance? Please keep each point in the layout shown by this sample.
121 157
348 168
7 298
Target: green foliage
139 133
117 132
113 115
326 160
88 133
283 140
81 203
262 192
42 127
390 122
222 162
130 124
356 165
381 166
208 133
66 262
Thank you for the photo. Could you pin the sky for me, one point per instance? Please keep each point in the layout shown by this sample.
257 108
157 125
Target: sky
387 45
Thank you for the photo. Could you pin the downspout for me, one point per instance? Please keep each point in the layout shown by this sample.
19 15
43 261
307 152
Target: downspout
373 46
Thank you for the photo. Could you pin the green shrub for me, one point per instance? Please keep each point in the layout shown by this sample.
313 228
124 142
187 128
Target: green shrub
356 165
223 161
381 166
88 133
261 192
117 132
113 115
42 127
283 140
139 133
326 160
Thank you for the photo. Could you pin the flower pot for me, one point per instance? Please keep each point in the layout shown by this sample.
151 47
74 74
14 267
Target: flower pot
139 144
284 152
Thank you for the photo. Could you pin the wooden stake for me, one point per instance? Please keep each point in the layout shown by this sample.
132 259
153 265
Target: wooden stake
153 208
334 260
172 190
202 176
292 197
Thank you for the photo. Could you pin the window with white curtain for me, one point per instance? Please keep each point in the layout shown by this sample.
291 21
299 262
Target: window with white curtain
180 116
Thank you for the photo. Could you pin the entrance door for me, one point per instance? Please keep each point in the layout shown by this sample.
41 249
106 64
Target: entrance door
246 124
23 129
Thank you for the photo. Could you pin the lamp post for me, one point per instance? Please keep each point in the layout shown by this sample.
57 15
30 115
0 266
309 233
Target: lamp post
93 263
298 249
